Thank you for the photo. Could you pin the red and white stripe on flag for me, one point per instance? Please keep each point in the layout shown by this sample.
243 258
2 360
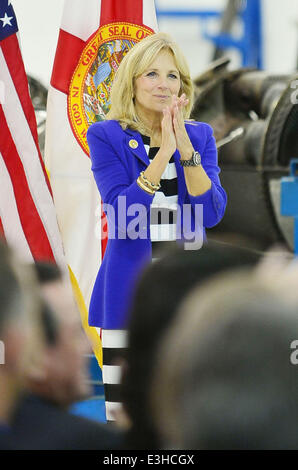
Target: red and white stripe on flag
76 196
27 213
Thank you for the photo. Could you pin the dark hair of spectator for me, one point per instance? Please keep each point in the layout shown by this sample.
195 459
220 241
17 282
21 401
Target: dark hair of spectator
49 324
47 272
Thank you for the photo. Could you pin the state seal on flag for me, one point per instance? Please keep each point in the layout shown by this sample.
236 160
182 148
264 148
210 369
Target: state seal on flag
89 91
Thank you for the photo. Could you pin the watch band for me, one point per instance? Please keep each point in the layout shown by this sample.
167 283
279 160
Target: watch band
194 161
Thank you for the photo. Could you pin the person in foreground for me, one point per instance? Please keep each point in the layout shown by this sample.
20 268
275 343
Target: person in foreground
157 174
170 278
19 336
227 376
60 378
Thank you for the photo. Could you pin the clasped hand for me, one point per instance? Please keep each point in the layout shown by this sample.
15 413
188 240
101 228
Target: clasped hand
174 135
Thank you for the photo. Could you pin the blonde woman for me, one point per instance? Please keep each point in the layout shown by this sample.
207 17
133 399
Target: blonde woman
157 175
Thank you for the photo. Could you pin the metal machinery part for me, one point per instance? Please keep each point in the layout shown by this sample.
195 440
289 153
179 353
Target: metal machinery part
227 20
254 116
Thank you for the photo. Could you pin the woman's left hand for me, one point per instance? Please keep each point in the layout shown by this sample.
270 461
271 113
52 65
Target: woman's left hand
184 144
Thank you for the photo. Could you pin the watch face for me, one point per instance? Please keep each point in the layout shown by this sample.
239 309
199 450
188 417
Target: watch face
197 158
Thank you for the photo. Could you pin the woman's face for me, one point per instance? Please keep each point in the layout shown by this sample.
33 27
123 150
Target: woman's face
156 86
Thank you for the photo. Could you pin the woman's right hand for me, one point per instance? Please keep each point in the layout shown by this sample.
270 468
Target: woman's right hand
167 147
168 138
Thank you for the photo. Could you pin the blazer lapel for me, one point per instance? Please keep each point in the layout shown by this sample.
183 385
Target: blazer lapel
134 143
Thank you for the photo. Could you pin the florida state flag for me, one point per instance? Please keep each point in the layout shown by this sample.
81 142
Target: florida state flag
94 37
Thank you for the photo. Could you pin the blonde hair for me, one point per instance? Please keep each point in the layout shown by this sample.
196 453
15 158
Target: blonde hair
136 61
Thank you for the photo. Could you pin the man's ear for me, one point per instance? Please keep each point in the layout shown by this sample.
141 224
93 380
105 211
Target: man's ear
36 371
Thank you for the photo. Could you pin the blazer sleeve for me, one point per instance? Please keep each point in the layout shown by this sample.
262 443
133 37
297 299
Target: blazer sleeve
214 200
120 195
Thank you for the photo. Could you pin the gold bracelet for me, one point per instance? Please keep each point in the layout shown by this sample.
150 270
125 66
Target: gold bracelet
145 188
148 183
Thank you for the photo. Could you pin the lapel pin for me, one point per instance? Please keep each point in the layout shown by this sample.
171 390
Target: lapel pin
133 144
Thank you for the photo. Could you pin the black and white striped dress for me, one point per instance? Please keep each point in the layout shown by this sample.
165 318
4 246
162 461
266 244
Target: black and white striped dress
163 213
163 217
114 345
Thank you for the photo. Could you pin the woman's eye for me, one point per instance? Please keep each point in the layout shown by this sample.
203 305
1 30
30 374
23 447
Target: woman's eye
172 75
151 74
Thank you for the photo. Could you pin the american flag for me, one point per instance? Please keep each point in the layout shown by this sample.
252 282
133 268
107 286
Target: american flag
27 214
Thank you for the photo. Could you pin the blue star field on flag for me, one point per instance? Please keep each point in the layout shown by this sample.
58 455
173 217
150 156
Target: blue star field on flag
8 21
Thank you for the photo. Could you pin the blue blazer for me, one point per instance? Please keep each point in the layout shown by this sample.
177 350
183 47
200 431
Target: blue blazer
116 167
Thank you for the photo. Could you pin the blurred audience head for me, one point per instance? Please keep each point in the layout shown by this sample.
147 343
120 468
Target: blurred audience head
226 377
19 328
160 291
64 375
